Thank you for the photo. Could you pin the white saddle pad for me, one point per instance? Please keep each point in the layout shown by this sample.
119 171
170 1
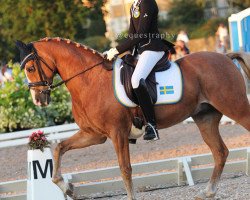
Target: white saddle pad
169 87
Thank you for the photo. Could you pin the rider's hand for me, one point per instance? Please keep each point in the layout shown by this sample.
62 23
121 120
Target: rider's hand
111 53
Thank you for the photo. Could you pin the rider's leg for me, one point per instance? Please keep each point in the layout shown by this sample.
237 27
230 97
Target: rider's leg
147 61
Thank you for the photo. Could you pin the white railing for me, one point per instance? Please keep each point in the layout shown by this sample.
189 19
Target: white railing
169 172
54 134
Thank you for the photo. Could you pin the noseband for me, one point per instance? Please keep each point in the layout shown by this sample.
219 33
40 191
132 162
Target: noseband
44 80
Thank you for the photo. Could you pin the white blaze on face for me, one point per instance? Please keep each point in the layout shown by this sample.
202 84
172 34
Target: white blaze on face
33 94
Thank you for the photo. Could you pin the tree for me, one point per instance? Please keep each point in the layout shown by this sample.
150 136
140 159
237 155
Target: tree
186 12
30 20
242 4
97 25
99 43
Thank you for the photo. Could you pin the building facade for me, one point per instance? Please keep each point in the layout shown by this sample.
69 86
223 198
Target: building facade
219 8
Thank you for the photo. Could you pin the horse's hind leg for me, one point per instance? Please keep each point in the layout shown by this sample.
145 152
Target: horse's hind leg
83 138
208 124
121 144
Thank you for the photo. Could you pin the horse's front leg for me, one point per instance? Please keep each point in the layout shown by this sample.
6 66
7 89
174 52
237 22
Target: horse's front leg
121 144
83 138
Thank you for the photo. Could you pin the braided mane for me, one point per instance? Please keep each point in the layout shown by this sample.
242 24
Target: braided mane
68 41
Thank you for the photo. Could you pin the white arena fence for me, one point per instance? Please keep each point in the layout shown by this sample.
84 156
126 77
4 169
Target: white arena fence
57 133
164 173
54 134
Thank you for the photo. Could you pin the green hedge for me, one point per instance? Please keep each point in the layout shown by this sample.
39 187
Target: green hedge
17 111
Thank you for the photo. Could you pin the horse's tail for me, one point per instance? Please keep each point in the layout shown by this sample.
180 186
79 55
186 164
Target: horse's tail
243 59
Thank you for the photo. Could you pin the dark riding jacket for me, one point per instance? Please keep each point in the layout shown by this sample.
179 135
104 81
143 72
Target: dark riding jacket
143 30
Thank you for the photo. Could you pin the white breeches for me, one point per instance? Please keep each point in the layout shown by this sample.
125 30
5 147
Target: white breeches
147 61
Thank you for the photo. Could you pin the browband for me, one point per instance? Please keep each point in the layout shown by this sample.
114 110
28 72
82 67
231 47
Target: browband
27 59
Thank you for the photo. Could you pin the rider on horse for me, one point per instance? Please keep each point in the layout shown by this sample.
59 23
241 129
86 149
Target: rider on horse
144 38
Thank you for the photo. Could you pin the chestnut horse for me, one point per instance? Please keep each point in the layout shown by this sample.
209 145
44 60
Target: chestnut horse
213 86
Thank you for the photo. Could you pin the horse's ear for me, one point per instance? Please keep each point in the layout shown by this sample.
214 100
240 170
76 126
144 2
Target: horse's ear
21 46
24 50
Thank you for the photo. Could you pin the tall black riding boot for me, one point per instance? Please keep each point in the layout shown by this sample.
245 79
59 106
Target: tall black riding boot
146 104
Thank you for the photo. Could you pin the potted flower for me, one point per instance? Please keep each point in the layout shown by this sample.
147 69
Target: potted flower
37 140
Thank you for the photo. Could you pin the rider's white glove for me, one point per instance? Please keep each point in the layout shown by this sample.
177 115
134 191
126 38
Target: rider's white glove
111 53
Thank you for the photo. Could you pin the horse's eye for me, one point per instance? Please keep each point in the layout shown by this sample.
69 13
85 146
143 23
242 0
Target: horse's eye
31 69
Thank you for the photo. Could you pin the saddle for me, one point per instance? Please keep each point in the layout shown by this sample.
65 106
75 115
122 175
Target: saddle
129 64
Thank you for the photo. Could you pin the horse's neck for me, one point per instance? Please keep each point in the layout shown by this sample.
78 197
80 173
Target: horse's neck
71 61
84 84
71 65
90 80
70 58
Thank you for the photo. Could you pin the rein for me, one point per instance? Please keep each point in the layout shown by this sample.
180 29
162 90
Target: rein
82 72
43 78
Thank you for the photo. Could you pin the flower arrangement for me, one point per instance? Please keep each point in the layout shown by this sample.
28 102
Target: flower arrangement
37 140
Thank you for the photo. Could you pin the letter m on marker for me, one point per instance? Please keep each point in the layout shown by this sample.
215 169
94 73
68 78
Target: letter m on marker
36 165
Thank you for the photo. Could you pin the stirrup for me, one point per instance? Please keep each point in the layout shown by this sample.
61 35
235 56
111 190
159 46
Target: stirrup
151 133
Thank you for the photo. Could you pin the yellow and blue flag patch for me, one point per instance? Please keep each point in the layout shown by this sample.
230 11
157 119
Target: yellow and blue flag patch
164 90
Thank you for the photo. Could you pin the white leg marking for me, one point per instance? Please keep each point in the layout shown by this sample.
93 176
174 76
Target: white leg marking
135 133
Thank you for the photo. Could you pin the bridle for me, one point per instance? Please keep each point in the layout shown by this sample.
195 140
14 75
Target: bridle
44 80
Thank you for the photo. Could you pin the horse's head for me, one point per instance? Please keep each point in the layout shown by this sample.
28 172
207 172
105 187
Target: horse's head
39 70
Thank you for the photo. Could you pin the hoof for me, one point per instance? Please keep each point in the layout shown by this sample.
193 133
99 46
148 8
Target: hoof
200 196
203 195
70 191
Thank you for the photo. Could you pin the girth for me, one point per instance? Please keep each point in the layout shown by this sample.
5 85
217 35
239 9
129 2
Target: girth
129 64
